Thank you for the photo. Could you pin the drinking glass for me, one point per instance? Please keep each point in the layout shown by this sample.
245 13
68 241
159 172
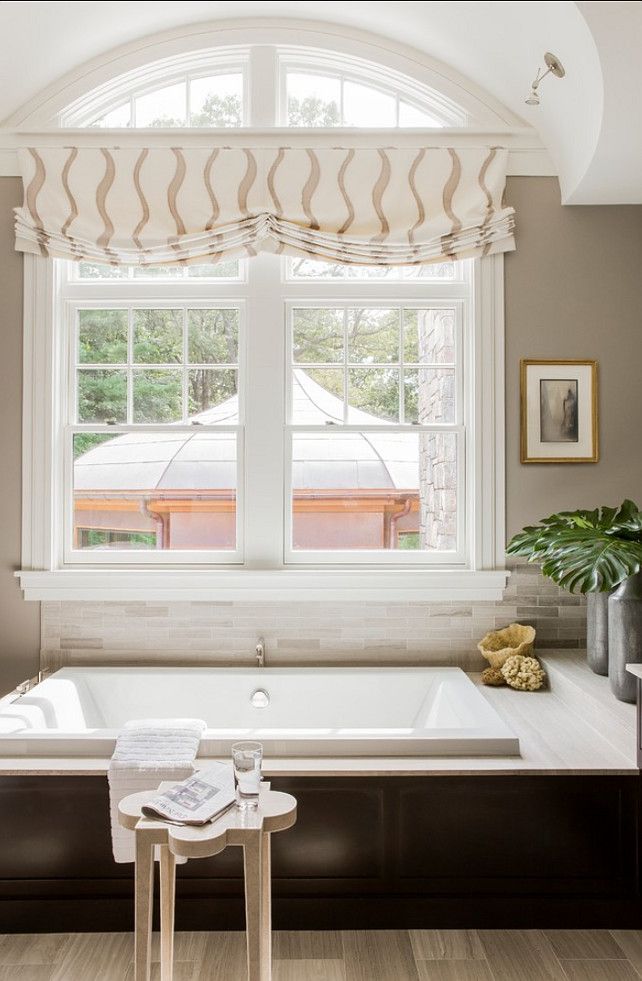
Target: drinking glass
246 759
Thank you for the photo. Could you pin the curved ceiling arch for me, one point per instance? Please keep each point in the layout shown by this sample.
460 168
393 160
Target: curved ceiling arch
491 50
198 39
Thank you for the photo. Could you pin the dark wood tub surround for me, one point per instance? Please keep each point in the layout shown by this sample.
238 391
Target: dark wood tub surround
549 839
476 851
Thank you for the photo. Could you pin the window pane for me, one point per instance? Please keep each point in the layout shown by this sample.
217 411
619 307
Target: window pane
317 269
160 490
213 336
164 107
429 395
313 100
158 272
209 388
117 118
158 336
375 391
317 396
382 490
410 115
317 335
158 395
365 106
102 336
102 395
229 269
96 270
217 100
435 270
429 336
373 335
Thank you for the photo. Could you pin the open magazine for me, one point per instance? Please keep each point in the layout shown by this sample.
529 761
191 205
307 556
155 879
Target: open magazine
197 800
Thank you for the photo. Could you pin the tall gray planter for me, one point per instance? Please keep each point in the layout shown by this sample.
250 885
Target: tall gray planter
625 636
597 632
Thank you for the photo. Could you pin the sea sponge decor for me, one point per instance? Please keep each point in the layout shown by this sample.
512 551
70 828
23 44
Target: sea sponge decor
498 645
493 676
523 673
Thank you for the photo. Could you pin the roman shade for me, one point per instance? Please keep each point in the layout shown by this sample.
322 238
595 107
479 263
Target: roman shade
162 206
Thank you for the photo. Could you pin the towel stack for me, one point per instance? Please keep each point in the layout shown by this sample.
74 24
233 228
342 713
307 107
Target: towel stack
147 752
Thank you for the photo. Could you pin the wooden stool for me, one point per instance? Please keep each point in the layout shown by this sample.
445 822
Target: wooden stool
250 829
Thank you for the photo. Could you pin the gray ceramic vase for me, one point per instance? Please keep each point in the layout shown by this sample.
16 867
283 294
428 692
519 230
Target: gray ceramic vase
597 632
625 636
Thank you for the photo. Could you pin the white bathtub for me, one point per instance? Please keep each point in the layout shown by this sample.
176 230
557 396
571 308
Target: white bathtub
311 711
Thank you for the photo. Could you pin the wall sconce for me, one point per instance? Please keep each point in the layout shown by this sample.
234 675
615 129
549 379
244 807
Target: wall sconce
553 67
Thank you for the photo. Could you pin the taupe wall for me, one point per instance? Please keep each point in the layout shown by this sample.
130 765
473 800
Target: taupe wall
19 621
573 290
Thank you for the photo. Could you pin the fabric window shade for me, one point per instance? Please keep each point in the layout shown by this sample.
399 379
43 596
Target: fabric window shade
163 206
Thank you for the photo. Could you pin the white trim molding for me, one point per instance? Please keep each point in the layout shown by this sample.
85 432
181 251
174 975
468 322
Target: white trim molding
331 584
527 157
480 574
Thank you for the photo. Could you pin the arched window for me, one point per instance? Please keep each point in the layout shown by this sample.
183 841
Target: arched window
273 412
300 86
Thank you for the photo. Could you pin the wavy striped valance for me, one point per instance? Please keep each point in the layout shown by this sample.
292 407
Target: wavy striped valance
367 206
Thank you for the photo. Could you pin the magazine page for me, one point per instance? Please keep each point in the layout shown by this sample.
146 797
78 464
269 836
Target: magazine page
198 799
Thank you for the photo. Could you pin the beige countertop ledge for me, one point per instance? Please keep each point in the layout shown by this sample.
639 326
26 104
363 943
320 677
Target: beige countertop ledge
575 726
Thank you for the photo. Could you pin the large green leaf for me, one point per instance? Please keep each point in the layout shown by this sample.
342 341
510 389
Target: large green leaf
585 551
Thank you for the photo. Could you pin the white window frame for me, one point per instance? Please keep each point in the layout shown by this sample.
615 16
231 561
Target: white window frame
401 87
264 573
386 293
76 296
264 69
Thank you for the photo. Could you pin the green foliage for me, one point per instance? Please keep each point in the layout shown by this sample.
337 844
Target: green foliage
408 541
102 336
83 442
585 551
313 111
219 111
99 538
208 387
213 336
102 395
157 340
158 336
158 395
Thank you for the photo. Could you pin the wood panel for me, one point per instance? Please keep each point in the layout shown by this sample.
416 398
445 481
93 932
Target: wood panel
399 852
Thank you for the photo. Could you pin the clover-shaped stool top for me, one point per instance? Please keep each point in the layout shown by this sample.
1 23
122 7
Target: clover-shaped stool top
276 812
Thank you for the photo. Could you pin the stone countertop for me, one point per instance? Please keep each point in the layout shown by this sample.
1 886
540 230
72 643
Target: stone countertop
574 726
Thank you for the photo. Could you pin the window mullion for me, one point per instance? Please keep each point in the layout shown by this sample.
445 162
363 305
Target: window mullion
264 408
263 86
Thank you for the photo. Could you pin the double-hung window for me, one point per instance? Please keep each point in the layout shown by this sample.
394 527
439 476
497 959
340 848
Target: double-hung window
268 425
271 413
152 414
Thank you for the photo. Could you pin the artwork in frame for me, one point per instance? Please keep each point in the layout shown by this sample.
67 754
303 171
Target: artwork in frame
558 411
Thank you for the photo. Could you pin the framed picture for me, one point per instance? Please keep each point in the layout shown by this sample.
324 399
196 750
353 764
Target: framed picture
558 411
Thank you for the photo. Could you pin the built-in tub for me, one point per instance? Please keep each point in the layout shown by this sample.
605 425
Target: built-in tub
292 711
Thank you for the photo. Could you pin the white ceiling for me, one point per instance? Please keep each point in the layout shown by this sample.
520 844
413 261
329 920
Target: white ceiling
588 121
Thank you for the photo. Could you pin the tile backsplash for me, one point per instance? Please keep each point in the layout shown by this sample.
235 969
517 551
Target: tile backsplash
315 632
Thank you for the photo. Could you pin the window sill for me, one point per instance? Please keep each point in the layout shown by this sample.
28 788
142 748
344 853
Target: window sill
215 585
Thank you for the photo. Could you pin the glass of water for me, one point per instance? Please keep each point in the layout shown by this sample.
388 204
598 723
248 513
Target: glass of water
246 758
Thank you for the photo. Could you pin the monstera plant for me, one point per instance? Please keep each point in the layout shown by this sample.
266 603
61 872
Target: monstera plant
594 552
585 551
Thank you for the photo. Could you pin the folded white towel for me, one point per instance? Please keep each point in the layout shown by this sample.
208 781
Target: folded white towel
147 752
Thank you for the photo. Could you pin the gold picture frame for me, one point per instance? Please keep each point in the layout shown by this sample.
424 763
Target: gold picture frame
558 407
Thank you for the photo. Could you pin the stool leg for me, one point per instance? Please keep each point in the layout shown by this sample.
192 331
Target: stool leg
252 861
143 906
266 907
167 899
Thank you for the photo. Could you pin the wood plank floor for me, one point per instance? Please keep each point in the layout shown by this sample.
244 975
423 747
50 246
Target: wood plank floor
376 955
